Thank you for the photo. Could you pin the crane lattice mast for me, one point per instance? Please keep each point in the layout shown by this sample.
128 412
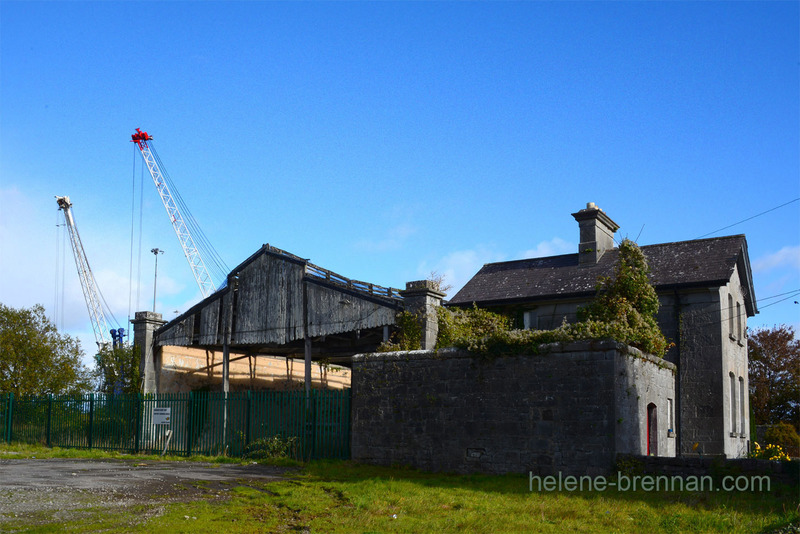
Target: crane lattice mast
199 270
88 284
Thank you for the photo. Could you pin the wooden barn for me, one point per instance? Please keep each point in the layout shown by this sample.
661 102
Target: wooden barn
276 303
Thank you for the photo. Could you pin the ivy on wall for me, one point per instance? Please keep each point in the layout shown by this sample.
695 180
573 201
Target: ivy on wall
624 310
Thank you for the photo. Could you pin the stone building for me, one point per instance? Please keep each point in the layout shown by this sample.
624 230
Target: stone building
705 289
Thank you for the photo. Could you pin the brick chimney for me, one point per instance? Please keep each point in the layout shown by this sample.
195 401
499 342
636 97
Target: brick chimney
597 234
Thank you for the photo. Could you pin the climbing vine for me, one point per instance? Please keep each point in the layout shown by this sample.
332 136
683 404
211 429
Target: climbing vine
624 310
408 335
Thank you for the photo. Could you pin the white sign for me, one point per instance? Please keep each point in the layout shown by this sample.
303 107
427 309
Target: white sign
161 416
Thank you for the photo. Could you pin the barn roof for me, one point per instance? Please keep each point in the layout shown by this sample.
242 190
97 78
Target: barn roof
274 300
683 264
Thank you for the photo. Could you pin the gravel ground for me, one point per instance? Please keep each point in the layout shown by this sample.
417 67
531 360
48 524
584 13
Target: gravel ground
55 487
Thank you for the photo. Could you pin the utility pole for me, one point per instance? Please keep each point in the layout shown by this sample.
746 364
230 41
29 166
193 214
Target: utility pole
155 252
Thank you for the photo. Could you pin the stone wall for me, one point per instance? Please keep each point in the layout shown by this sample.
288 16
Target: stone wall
569 410
715 467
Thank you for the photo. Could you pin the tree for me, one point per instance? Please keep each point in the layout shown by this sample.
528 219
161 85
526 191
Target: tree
626 304
35 359
774 375
117 369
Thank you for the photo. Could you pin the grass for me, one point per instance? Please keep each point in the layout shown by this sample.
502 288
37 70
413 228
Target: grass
339 496
26 450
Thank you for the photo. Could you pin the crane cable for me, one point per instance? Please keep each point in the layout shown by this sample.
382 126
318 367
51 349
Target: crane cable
133 222
58 291
133 239
139 261
208 253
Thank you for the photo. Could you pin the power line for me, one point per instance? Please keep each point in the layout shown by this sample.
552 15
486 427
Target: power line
779 301
749 218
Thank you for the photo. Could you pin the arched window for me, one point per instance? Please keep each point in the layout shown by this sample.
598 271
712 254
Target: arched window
731 325
734 411
739 321
652 430
742 427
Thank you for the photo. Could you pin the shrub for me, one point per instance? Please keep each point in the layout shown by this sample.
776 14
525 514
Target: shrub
468 328
769 452
273 447
408 336
785 435
623 310
626 305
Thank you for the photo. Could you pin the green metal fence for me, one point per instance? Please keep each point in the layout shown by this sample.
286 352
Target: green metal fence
183 423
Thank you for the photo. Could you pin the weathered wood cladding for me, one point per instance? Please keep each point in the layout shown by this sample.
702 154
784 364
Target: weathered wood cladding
269 303
263 306
210 323
198 326
332 310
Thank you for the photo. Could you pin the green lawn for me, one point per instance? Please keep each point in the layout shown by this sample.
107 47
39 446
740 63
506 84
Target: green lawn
337 496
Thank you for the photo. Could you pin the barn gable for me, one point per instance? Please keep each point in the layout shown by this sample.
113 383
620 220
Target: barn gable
274 300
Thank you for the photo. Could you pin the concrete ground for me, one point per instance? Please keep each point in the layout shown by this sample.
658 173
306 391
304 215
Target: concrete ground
33 486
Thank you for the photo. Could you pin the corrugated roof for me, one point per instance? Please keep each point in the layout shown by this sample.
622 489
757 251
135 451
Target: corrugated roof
683 263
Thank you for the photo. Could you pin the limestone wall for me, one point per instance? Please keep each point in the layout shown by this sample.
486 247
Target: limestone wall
567 411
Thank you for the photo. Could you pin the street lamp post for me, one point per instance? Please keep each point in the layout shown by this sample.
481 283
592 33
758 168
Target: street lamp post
155 252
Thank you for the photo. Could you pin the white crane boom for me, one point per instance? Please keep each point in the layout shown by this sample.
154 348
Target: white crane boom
88 284
199 270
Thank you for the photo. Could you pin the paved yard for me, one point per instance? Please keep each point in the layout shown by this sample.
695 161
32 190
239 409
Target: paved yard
30 486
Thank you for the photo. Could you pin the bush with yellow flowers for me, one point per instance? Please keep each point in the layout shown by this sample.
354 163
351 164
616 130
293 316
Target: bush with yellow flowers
769 452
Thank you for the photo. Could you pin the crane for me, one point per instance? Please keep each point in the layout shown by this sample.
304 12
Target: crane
190 250
88 284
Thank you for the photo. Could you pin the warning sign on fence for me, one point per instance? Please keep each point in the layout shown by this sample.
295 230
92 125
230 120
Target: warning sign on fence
161 416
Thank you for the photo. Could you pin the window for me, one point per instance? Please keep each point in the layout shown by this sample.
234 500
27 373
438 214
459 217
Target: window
730 317
670 419
734 411
652 430
742 427
530 320
739 321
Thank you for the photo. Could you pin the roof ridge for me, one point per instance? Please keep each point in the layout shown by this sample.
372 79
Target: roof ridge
720 238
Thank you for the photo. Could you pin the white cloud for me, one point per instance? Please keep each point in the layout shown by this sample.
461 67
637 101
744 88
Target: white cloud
785 257
554 247
459 266
27 233
394 239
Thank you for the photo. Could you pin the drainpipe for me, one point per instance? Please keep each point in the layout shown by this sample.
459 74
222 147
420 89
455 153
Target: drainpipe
678 412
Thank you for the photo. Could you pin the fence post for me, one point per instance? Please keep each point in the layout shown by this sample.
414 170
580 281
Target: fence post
311 423
137 421
189 425
247 419
347 423
9 416
49 415
91 417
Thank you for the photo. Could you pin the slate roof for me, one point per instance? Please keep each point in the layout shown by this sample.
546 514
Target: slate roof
697 263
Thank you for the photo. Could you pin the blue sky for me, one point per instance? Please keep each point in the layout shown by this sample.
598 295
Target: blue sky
387 140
